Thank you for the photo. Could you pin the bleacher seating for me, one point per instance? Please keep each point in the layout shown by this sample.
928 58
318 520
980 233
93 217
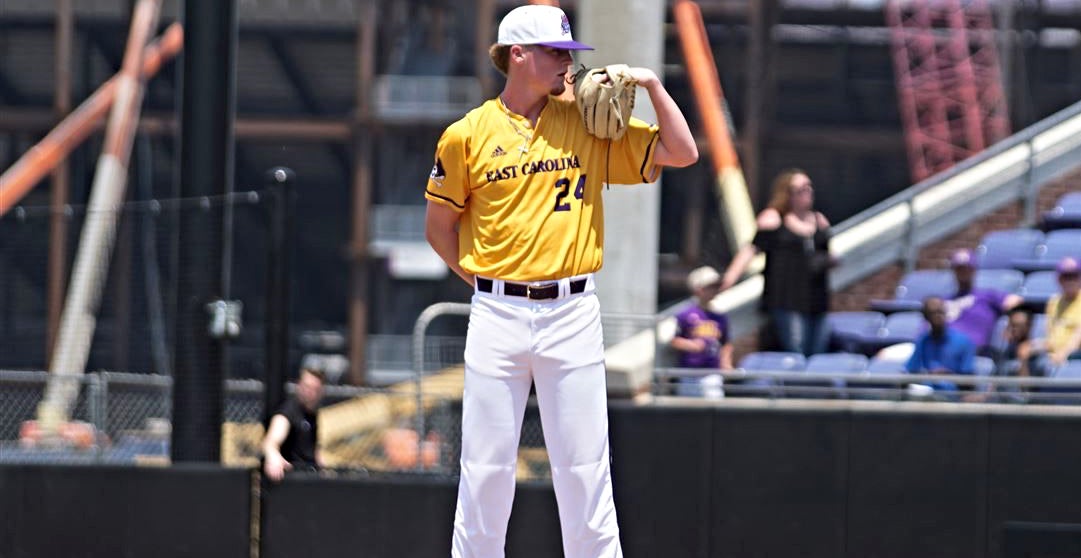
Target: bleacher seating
850 331
1057 245
837 362
1065 214
1038 288
877 390
916 286
983 367
766 361
886 366
1006 280
830 363
901 327
1071 370
999 249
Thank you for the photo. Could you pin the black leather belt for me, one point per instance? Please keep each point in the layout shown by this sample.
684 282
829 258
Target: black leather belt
533 291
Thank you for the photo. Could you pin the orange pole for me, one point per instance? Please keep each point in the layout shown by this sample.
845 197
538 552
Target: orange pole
706 84
737 212
41 159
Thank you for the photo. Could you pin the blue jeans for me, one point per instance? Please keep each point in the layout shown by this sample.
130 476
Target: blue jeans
800 333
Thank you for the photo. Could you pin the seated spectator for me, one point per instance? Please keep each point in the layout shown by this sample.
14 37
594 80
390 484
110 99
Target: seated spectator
1014 358
973 312
942 349
1063 340
702 336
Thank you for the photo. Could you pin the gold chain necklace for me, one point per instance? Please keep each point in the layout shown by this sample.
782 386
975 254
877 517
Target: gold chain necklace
527 138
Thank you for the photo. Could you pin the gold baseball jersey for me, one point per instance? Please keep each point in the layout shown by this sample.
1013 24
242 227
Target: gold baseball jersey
530 200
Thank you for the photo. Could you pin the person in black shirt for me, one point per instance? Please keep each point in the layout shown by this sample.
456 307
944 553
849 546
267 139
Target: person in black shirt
290 442
795 239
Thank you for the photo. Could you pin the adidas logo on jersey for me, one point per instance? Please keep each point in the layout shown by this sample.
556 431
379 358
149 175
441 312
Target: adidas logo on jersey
498 152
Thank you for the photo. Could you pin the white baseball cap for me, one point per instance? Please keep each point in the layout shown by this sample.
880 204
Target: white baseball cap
703 277
538 24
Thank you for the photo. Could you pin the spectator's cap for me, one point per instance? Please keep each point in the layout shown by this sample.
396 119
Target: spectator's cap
1068 266
963 258
537 24
702 277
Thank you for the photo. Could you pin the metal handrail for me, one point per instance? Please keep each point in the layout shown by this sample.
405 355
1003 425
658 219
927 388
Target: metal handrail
920 215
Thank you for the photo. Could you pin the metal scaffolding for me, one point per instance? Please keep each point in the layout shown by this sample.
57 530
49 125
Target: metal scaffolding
948 81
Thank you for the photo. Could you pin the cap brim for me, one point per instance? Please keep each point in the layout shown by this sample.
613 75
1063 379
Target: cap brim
567 45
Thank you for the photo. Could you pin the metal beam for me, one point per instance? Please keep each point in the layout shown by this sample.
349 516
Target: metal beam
363 153
308 98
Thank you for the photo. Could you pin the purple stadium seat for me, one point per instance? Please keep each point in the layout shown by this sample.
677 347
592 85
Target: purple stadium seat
983 367
1038 288
902 327
830 363
1071 371
916 286
886 366
1057 245
877 390
1065 214
775 361
765 361
837 362
1006 280
850 330
999 249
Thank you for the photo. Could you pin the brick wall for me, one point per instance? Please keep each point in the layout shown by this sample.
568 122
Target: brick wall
882 284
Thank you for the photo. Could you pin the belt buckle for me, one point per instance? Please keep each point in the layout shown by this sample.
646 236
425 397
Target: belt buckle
529 289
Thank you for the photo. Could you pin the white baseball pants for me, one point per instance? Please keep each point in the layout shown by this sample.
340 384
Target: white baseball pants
556 344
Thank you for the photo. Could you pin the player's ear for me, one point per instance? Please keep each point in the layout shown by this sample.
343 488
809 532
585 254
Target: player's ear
517 52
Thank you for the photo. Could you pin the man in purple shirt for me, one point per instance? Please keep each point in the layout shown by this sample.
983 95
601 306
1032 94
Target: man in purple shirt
973 312
702 337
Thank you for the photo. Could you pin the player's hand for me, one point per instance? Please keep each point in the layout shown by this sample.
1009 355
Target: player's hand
644 76
275 467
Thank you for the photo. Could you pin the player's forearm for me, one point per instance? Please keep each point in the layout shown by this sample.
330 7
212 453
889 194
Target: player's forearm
446 246
678 148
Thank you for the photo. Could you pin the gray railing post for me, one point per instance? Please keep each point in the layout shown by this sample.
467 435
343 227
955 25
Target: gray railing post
97 393
910 250
420 327
1029 189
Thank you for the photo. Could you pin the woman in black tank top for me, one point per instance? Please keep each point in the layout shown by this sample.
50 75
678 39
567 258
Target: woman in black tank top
795 239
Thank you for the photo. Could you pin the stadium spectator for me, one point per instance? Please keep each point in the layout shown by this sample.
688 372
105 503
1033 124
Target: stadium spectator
1014 357
941 349
972 311
291 440
1063 338
795 240
702 336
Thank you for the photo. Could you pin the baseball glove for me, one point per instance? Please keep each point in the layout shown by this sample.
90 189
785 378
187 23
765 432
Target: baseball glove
605 98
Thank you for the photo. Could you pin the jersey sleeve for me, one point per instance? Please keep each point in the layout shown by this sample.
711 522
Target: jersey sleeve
448 184
630 160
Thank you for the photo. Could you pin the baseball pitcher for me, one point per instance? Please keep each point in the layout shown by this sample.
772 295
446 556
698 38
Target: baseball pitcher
515 209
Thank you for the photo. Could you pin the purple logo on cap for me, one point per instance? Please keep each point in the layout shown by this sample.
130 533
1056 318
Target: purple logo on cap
566 25
1068 266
